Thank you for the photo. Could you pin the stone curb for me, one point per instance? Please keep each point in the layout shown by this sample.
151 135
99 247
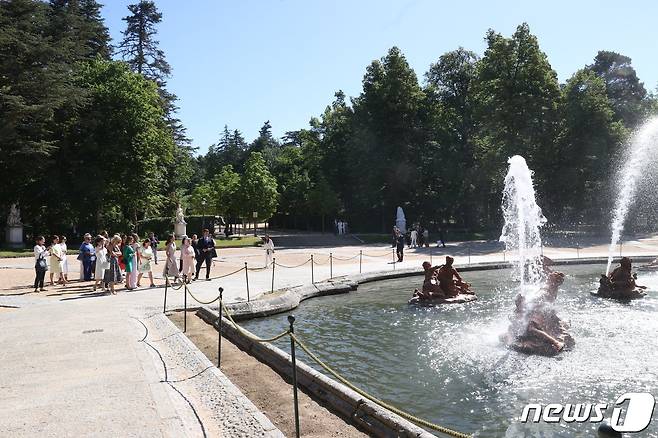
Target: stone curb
212 388
352 407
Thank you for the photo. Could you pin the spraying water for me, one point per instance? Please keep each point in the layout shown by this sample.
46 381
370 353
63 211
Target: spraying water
641 146
523 220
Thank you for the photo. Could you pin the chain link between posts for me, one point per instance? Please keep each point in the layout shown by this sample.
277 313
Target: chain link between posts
401 413
292 267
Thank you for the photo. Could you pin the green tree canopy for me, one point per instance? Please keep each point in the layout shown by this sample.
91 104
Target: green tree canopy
258 189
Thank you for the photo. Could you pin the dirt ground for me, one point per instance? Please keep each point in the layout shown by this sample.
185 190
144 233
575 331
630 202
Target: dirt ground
264 387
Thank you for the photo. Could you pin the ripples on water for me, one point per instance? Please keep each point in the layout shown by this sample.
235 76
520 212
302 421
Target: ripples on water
446 364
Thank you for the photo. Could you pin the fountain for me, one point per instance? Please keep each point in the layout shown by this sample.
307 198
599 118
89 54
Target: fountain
523 219
628 178
400 220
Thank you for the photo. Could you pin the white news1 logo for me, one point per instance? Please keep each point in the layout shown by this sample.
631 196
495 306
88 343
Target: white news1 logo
638 412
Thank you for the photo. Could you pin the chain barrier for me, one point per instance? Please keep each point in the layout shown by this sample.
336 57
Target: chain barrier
403 414
227 275
322 264
172 285
292 267
327 368
388 253
346 259
198 300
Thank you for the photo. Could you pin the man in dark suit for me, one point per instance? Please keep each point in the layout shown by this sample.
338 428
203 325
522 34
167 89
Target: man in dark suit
206 248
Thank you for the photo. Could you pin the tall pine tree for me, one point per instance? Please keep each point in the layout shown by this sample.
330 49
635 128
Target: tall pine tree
140 49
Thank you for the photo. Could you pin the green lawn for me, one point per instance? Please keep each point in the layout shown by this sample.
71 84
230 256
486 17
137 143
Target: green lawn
451 236
237 242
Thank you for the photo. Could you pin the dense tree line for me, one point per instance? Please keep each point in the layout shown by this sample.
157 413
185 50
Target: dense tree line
87 142
89 136
439 147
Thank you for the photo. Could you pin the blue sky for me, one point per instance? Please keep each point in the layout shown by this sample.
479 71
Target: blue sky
242 62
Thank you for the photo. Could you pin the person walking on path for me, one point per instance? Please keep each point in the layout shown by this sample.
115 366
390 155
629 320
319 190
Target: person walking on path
171 270
128 258
102 263
154 246
56 261
207 253
40 263
113 273
414 238
268 246
87 256
187 255
144 257
426 237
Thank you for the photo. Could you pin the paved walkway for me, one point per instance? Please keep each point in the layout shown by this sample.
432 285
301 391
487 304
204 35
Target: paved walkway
79 363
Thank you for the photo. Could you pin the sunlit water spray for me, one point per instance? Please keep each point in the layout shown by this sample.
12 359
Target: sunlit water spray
523 220
642 155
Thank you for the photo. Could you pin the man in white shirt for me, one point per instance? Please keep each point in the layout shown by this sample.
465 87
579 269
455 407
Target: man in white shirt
414 238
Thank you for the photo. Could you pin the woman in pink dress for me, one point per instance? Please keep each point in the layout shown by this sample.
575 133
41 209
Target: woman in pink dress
188 256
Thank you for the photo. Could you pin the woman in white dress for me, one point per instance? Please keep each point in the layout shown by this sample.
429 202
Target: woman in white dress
268 246
102 262
171 270
65 262
56 260
187 254
145 256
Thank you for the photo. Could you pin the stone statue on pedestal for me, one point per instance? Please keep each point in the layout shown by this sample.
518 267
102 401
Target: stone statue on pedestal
14 231
180 226
14 218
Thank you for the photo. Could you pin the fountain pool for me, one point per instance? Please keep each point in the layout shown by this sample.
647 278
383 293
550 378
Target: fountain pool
446 364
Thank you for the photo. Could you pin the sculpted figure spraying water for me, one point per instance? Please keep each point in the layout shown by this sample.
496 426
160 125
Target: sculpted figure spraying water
620 283
536 328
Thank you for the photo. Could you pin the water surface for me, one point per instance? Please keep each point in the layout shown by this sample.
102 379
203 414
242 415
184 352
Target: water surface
446 364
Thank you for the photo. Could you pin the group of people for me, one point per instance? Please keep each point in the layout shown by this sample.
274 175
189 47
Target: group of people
442 282
340 227
109 261
194 253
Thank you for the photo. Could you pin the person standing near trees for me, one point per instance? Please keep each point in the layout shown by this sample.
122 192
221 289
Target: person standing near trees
87 257
414 238
113 274
268 246
128 252
207 252
65 262
170 266
154 246
133 274
40 263
188 258
400 247
144 257
102 263
56 261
